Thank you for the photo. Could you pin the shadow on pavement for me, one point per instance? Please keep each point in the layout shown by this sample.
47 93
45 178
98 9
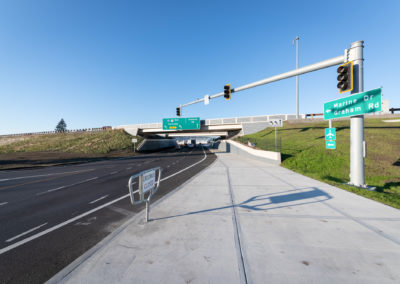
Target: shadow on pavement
263 202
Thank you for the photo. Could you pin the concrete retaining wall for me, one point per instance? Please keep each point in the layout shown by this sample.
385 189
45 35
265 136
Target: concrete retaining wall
242 150
156 144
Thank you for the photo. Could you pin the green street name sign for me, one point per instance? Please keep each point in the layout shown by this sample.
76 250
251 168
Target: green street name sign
182 123
366 102
330 144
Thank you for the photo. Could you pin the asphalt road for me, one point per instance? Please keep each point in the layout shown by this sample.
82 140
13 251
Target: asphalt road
51 216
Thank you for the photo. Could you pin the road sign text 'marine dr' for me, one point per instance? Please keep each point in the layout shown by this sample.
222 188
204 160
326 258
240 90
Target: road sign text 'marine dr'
366 102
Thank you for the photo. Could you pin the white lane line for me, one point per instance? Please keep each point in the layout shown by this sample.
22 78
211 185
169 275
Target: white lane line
129 168
24 233
6 179
113 172
24 241
4 203
94 201
65 186
54 189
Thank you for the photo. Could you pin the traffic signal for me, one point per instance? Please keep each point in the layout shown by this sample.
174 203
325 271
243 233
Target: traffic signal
227 92
178 111
345 77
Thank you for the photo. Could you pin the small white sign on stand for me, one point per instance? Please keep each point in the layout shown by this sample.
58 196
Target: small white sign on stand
147 187
134 141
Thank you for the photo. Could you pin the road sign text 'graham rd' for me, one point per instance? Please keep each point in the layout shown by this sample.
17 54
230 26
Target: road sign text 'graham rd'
361 103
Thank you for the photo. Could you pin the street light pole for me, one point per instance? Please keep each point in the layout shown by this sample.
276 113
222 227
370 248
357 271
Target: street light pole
297 77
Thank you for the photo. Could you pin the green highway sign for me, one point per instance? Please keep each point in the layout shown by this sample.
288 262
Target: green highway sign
330 133
366 102
330 144
182 123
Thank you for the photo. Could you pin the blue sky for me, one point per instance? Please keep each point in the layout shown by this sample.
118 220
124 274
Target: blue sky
98 63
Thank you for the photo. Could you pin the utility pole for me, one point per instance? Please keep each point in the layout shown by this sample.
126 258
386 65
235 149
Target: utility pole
297 77
357 143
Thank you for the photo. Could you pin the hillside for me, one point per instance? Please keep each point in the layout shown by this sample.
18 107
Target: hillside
40 150
303 150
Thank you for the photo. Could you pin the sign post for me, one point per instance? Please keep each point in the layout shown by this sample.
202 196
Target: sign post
134 141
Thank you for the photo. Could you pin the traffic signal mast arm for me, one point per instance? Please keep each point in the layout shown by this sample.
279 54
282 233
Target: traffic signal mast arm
306 69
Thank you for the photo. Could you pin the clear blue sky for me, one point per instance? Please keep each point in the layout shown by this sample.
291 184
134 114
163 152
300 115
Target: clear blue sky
98 63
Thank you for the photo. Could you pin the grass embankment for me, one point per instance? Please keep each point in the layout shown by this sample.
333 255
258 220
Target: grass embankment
303 150
34 150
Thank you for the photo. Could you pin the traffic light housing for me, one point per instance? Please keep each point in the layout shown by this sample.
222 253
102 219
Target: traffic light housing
345 77
178 111
227 91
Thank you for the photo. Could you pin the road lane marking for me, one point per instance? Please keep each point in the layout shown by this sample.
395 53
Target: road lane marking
35 181
24 233
113 173
205 156
45 175
24 241
129 168
66 186
94 201
4 203
51 190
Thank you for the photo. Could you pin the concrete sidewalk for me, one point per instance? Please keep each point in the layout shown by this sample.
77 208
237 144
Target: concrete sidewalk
284 228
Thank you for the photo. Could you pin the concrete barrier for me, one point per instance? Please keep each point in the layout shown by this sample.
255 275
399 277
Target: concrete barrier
237 148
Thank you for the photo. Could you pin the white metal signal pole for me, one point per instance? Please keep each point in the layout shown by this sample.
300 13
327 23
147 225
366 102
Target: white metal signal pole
297 77
357 144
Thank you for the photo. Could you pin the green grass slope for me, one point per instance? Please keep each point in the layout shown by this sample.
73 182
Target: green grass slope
303 150
80 142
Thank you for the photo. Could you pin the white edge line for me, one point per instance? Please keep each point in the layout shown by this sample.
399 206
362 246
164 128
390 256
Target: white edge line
24 241
4 203
94 201
205 156
24 233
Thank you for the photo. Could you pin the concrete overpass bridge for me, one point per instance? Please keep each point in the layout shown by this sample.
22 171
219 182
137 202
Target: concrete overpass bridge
224 127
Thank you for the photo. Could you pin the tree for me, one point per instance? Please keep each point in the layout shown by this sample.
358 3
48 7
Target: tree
61 126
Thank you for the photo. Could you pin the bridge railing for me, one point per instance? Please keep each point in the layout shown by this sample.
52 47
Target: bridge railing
222 121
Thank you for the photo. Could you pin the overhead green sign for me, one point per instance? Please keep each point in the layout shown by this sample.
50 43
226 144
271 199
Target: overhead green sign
330 144
361 103
330 133
181 123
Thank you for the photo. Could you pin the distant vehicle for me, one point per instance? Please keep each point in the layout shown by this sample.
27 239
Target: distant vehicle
190 145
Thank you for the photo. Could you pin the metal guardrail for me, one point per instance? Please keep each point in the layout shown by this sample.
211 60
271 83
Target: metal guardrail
147 187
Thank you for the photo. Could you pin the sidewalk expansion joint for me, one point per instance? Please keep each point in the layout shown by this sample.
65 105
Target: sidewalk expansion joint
242 267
